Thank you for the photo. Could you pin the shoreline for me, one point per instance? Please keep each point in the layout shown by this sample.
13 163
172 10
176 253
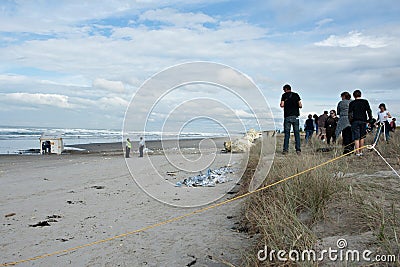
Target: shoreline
155 146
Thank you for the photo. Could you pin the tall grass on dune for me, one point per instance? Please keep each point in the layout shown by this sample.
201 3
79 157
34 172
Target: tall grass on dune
283 217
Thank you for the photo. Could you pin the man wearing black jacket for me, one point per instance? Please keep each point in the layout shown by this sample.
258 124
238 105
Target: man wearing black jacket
358 111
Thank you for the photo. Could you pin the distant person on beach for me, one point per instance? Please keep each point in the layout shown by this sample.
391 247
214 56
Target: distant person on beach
393 125
128 148
46 147
321 125
344 126
309 127
383 123
141 147
315 117
48 143
359 109
291 104
330 127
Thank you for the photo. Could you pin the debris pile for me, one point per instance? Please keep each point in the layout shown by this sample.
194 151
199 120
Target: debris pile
244 143
213 177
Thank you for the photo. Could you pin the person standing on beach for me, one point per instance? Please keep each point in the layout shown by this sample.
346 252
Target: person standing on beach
344 126
315 117
330 126
309 127
321 125
291 104
141 147
384 125
128 148
393 125
358 111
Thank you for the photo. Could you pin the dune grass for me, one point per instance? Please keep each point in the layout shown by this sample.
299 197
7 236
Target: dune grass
283 217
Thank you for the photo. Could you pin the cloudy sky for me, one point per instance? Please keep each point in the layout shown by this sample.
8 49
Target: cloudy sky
79 63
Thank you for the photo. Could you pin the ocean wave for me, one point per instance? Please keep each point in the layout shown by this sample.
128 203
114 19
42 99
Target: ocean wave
13 139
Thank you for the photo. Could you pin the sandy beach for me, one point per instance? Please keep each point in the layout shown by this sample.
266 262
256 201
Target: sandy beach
156 146
93 196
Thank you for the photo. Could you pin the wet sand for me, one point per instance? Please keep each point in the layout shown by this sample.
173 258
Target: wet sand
156 146
88 197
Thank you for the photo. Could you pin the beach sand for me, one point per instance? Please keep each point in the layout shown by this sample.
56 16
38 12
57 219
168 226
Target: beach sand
89 197
158 147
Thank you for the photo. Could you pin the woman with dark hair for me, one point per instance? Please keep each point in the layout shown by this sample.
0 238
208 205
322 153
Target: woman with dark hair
330 126
384 125
344 125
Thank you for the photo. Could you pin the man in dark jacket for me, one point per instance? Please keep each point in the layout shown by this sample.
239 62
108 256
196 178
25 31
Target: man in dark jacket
358 111
309 127
291 104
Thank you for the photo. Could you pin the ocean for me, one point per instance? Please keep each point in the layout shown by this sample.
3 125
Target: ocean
15 140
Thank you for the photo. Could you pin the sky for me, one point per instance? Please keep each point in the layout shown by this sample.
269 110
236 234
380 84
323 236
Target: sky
78 64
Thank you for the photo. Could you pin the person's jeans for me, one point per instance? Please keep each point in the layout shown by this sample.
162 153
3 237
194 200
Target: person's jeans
309 133
141 151
383 128
287 124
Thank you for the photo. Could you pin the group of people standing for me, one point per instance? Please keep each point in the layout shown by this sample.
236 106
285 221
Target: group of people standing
324 125
352 119
128 147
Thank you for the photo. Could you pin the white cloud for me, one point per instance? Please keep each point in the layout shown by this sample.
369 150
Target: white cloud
240 31
244 114
111 103
323 22
354 39
11 78
38 99
115 102
235 79
44 18
113 86
172 16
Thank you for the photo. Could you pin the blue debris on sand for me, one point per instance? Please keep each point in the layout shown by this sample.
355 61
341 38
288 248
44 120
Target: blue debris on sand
213 177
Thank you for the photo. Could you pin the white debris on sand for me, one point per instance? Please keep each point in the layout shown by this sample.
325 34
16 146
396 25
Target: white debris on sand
213 177
244 143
